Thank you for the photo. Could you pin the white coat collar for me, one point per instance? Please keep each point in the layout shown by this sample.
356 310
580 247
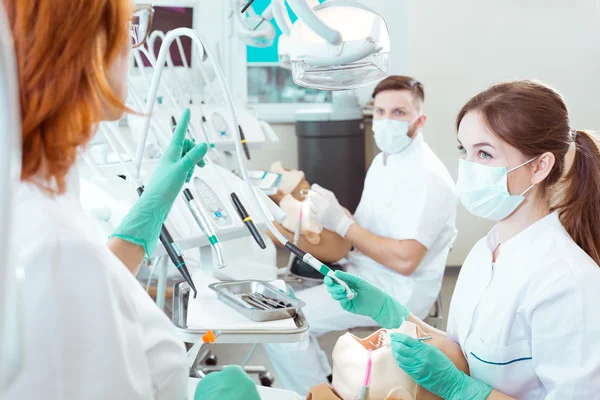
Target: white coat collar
534 231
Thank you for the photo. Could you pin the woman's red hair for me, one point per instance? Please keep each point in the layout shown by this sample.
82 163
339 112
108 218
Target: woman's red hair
64 51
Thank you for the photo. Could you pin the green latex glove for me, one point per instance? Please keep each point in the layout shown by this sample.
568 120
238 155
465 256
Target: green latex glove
368 300
188 145
430 368
231 383
142 225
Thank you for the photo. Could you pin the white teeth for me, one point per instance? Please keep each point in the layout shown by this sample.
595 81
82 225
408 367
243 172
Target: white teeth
383 339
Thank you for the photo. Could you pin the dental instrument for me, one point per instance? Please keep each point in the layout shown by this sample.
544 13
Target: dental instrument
364 390
247 219
207 55
12 311
197 210
174 252
248 4
258 301
244 144
425 338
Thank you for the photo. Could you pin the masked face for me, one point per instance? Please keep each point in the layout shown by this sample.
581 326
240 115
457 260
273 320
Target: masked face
391 136
489 171
396 118
483 190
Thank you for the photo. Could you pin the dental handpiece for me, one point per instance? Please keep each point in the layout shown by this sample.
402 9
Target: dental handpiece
244 143
246 219
174 253
204 223
319 266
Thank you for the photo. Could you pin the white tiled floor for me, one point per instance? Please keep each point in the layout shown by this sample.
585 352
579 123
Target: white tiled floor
235 354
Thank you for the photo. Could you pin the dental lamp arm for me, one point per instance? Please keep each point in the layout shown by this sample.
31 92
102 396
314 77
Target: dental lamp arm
282 17
306 14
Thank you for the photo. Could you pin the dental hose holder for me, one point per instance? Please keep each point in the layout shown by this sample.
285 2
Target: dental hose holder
208 55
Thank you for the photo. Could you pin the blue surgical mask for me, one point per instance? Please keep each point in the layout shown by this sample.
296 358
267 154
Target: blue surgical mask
391 136
483 190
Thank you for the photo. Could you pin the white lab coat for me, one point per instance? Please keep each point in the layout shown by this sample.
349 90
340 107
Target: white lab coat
528 323
91 330
411 197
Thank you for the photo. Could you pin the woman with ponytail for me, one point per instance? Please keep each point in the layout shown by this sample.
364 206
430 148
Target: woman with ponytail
525 307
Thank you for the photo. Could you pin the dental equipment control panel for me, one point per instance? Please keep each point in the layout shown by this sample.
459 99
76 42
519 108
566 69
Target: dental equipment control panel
213 205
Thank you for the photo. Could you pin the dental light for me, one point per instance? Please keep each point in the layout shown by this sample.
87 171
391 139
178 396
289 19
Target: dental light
255 30
340 44
11 276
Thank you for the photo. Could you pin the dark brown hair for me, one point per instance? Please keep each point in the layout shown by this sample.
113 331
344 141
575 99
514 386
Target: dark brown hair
398 82
533 118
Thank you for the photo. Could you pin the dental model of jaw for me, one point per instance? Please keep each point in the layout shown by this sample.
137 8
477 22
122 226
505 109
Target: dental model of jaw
387 380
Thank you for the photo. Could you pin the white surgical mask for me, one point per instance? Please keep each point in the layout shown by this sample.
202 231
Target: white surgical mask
391 136
483 190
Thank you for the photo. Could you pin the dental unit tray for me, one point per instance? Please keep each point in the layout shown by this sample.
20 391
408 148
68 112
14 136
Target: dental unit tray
257 300
258 334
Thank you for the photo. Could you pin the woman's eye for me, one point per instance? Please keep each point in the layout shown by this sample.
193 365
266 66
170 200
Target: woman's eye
398 113
461 150
379 111
484 156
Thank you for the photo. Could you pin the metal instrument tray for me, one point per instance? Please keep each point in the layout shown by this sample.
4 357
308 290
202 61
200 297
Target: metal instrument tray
181 295
231 293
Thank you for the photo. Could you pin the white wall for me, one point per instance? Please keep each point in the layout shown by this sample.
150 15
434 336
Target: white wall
457 48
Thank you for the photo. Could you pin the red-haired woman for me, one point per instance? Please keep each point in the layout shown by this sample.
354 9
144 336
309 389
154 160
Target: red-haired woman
91 330
525 307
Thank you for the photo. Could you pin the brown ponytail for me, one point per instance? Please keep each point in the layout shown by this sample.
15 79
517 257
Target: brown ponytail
579 195
533 118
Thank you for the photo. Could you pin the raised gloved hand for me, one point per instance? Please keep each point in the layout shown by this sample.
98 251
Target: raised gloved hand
430 368
231 383
325 208
142 225
368 300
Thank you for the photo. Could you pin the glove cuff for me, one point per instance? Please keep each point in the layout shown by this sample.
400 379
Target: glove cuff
343 225
142 226
392 314
468 388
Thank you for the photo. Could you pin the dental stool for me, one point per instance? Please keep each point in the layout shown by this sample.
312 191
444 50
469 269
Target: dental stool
206 362
436 314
